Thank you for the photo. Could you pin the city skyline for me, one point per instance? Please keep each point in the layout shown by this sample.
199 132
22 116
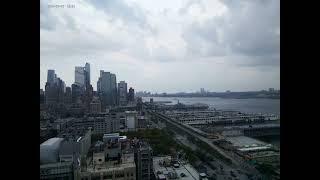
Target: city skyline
165 46
200 90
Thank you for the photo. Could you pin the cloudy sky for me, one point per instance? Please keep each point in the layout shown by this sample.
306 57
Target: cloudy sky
167 45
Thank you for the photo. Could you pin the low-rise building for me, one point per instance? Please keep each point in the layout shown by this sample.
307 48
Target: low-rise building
165 168
59 170
116 170
142 122
49 150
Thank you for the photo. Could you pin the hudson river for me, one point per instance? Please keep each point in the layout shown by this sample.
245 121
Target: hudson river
242 105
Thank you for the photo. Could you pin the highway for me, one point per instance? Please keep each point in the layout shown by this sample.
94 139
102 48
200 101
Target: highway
236 162
190 132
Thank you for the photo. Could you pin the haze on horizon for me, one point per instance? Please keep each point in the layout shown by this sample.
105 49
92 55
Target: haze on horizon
165 46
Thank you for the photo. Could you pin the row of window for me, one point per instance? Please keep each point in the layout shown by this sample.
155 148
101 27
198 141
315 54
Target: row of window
109 176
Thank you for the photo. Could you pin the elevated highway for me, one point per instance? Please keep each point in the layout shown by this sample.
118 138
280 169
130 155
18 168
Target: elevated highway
194 133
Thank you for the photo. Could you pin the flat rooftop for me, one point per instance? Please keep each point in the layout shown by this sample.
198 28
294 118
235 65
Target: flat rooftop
53 165
127 162
263 125
244 141
187 169
52 141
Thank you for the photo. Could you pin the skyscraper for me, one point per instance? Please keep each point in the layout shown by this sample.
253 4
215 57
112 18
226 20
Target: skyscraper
76 93
54 89
51 76
106 87
82 76
42 96
122 92
113 89
87 75
68 96
131 94
79 76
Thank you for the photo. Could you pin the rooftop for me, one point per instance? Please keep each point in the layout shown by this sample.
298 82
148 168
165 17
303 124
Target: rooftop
52 141
244 141
247 144
127 161
51 165
185 171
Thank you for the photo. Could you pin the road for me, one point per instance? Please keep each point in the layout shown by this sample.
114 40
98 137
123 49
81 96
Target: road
203 139
236 161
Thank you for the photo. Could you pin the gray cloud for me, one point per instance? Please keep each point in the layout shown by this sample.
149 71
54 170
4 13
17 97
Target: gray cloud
129 13
253 27
47 20
248 28
203 40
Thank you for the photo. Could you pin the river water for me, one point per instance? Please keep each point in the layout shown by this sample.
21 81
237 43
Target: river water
243 105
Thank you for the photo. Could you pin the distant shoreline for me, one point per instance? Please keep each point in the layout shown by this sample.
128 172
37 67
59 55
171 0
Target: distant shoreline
215 97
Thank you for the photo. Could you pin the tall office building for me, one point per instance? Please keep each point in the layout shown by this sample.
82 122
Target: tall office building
131 94
68 96
61 89
122 93
114 89
51 76
82 76
79 76
83 88
106 87
42 96
87 75
54 89
76 93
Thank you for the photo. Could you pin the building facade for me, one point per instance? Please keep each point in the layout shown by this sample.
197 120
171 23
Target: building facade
76 93
106 87
51 76
122 93
95 105
54 89
60 170
144 161
79 76
82 76
131 120
108 123
101 169
131 95
87 75
68 96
